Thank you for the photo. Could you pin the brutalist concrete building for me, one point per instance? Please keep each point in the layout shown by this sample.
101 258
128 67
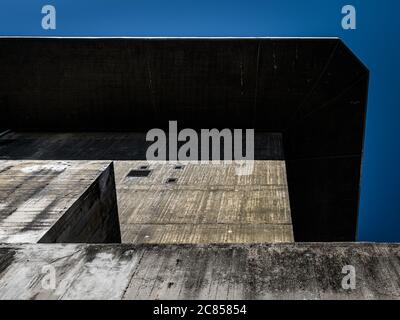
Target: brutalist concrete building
77 193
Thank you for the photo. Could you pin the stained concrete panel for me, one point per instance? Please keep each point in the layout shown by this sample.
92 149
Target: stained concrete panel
206 233
280 271
58 201
208 203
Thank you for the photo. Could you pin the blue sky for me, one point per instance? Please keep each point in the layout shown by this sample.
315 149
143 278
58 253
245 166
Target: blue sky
376 43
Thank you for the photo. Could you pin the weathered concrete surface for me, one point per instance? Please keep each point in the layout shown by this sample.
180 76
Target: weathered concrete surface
280 271
208 203
58 201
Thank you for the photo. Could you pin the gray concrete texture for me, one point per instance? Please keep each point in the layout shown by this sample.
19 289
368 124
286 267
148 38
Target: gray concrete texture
58 201
208 203
280 271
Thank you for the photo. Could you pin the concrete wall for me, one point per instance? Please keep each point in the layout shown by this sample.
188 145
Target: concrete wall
93 218
324 149
58 201
202 83
207 204
285 271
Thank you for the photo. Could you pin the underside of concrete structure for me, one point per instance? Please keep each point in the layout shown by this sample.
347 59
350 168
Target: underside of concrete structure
312 91
77 193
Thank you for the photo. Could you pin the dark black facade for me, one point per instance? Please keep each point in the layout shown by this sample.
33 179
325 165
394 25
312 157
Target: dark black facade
314 91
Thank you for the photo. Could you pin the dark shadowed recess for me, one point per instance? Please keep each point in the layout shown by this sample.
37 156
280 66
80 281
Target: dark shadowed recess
313 91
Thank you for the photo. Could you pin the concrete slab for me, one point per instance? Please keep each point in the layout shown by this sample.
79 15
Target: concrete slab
277 271
208 203
57 201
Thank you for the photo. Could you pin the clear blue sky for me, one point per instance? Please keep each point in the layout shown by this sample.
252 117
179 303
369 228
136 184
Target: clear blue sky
376 42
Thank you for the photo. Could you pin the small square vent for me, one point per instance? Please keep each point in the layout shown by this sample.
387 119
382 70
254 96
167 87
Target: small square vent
138 173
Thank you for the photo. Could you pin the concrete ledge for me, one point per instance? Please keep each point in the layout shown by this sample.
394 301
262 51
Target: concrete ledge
281 271
93 218
58 201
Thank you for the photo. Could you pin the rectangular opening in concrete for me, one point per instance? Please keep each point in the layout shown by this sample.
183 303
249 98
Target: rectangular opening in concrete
139 173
